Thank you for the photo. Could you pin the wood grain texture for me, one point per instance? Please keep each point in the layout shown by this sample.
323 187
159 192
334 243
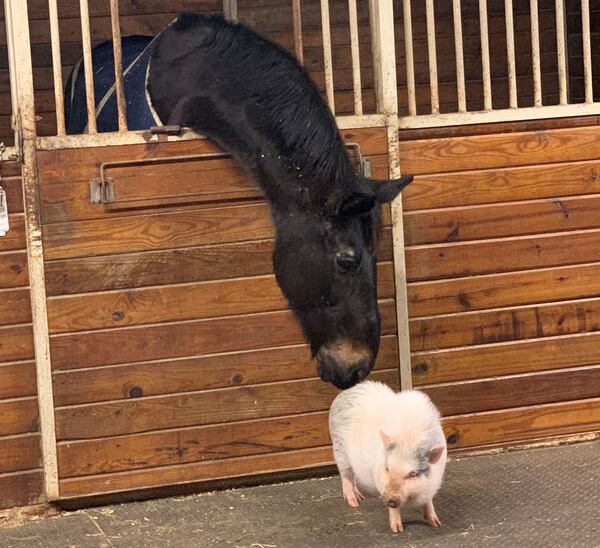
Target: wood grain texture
505 358
16 343
199 408
181 375
21 489
19 416
499 151
502 325
501 220
13 269
183 339
14 239
179 302
509 183
15 306
170 266
507 289
13 188
523 423
516 390
19 453
461 259
17 380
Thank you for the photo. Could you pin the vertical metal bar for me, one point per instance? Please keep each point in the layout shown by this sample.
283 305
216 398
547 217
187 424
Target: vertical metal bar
87 64
230 11
562 52
297 22
510 54
327 59
59 100
384 57
535 54
460 63
118 55
485 55
431 49
356 80
587 51
17 18
12 73
410 63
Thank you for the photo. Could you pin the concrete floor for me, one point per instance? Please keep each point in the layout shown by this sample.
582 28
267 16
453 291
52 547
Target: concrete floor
547 497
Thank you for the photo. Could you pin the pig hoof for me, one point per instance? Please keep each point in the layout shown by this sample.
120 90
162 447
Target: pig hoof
352 500
397 527
434 521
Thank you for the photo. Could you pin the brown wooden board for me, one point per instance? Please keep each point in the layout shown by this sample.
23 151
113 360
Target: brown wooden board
506 184
171 266
19 453
179 302
14 192
499 150
455 260
502 325
19 416
505 358
17 380
21 489
506 289
16 343
182 375
182 339
501 220
15 306
14 239
13 269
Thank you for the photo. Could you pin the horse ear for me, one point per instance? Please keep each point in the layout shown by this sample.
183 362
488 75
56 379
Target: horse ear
355 204
387 190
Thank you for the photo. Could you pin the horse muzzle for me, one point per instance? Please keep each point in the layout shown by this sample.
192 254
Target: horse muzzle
343 364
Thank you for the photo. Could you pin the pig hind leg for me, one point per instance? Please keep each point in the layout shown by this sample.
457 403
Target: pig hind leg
430 515
351 493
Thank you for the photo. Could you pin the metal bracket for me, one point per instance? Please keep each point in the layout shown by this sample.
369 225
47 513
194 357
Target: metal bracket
4 226
102 190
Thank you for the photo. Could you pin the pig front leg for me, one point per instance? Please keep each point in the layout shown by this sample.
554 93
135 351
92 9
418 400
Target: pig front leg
395 520
430 515
351 493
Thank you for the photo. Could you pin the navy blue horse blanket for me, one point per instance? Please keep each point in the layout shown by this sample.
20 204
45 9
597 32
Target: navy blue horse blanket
137 51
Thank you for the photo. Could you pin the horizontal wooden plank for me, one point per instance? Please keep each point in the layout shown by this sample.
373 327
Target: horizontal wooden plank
499 151
144 188
15 306
502 325
13 269
501 220
173 447
16 343
505 358
525 423
14 191
19 453
181 375
17 380
19 416
199 408
14 239
507 289
196 472
179 302
516 390
507 184
22 489
216 262
236 333
454 260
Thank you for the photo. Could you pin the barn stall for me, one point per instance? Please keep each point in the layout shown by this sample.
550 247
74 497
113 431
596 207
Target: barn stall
144 342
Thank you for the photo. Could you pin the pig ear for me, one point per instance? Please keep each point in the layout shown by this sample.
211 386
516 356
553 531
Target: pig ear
435 454
387 441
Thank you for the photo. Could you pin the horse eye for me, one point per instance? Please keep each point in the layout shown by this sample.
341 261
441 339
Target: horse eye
347 261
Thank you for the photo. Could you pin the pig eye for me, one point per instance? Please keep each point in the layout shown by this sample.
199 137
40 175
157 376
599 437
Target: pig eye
412 474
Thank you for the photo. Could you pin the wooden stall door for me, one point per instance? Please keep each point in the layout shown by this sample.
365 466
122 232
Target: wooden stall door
174 356
503 263
21 481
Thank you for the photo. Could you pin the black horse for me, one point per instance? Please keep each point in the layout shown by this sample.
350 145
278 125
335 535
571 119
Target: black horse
255 100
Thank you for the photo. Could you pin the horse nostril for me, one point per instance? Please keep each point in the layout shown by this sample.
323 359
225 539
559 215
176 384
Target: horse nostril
347 261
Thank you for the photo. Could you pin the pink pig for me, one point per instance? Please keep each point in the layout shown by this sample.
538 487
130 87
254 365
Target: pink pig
388 445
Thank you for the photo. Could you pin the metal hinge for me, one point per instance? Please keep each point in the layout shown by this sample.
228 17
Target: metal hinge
102 190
